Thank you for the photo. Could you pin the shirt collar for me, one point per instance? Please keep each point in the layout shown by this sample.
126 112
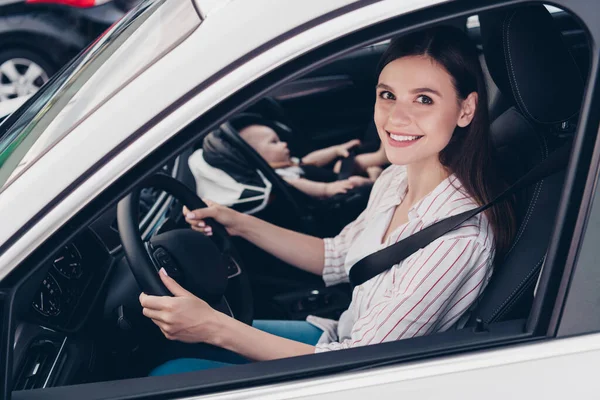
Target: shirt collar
444 190
397 189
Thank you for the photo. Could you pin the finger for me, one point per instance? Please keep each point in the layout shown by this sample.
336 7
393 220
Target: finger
353 143
200 214
185 210
209 203
337 167
164 332
205 230
154 315
194 223
172 285
344 153
155 302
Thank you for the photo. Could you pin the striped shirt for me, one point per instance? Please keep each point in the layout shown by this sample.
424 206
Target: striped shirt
428 291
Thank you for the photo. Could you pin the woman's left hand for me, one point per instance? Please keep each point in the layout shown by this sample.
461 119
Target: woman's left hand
183 317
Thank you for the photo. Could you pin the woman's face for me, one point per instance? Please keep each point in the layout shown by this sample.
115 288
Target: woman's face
266 143
417 110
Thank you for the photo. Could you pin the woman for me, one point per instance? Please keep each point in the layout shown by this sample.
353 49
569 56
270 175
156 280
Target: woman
431 116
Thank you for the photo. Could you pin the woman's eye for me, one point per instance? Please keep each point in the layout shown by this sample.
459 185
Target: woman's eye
424 99
385 95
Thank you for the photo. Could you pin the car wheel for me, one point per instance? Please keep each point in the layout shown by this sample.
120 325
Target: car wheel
22 73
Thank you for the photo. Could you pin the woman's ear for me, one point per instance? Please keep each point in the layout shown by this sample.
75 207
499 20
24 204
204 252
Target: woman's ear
467 112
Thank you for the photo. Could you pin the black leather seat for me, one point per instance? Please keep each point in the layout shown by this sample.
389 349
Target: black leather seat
529 61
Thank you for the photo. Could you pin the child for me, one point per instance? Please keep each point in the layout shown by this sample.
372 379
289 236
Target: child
265 141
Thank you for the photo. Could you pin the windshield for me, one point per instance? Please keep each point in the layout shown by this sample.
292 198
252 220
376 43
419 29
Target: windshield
117 57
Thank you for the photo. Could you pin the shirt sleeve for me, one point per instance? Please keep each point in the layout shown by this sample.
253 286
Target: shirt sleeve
431 290
336 249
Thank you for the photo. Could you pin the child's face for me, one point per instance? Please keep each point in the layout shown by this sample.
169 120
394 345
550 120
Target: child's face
266 143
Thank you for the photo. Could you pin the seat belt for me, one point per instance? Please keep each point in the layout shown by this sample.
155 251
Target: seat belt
382 260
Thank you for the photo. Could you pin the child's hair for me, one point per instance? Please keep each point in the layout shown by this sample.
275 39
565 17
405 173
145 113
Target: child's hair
470 154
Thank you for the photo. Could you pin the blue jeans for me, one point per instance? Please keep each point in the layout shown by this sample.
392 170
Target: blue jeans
299 331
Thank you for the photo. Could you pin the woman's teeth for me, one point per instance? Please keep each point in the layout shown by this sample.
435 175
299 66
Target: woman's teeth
402 138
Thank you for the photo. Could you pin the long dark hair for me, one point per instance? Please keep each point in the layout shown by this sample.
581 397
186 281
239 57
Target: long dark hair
470 154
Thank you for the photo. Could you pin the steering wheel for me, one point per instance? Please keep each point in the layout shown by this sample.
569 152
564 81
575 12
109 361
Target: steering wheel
208 267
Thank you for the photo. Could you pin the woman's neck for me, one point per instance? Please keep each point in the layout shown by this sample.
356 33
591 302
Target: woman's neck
422 178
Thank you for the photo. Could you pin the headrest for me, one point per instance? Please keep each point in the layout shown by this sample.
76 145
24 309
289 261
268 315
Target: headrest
219 153
527 57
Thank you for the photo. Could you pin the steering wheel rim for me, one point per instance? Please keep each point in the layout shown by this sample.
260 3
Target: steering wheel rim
224 284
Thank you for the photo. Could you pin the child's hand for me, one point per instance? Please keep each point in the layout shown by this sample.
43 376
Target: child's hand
337 187
359 180
342 150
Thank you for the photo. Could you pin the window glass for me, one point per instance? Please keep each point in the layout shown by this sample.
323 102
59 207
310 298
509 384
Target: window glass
123 52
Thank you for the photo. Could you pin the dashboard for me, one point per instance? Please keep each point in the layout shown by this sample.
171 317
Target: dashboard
75 277
77 272
56 338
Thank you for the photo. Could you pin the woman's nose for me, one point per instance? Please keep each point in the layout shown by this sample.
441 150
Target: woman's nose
399 115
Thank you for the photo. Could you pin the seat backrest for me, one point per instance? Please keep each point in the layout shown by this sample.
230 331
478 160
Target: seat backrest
529 61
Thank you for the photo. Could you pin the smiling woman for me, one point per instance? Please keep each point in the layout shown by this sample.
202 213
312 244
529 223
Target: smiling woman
427 101
74 260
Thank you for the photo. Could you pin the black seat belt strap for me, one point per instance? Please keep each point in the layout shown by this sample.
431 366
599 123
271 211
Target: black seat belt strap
382 260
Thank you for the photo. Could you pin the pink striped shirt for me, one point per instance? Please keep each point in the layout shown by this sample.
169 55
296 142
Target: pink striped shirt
425 293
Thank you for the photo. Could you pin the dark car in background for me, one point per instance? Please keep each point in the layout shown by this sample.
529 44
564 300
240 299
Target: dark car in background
37 37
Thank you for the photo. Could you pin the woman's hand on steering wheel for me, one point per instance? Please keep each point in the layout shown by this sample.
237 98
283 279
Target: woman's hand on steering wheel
183 317
229 218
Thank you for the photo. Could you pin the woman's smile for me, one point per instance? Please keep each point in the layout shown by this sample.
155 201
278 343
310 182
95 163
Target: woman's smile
402 139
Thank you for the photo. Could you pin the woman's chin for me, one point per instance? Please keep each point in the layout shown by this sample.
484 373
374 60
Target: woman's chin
399 157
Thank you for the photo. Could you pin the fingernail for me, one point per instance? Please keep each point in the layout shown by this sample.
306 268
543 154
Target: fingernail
208 229
201 224
163 271
190 215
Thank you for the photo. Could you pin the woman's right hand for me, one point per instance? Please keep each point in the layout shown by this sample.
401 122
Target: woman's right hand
229 218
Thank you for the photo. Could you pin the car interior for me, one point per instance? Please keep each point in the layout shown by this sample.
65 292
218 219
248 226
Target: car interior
80 320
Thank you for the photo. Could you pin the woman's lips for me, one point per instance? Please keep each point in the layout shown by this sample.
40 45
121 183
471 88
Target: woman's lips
402 140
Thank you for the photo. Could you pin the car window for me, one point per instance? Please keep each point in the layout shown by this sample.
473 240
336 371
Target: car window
123 52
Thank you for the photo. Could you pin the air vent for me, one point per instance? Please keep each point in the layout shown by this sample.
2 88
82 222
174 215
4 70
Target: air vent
37 365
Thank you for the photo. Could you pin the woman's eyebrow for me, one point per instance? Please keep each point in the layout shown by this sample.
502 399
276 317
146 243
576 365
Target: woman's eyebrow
383 86
426 89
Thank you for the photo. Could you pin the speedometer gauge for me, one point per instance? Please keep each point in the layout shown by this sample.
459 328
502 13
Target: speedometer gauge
47 300
68 262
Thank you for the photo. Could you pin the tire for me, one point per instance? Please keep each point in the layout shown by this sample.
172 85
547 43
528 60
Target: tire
14 78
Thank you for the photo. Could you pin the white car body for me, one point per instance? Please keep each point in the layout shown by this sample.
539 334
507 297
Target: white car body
538 370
